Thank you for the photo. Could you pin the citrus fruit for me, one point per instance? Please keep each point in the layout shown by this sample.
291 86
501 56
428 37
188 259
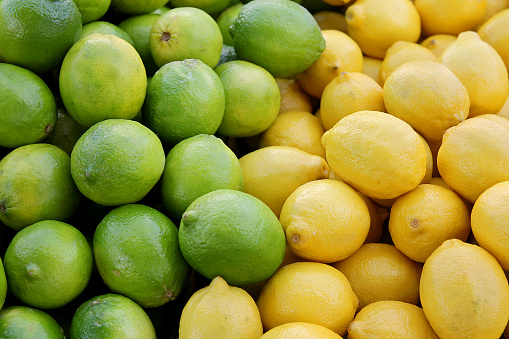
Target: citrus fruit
300 330
376 153
348 93
231 234
371 66
28 107
377 215
252 99
35 185
117 162
504 111
330 20
27 322
381 272
341 54
225 20
437 43
36 34
464 292
328 299
66 132
194 167
272 173
375 25
492 7
104 27
293 98
227 54
220 311
489 222
3 284
185 33
111 316
92 10
278 35
390 319
481 70
184 99
325 221
428 96
48 264
134 7
212 7
495 32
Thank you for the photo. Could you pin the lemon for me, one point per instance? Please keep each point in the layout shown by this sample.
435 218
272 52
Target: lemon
293 98
504 111
328 299
371 67
134 7
495 32
376 153
66 131
466 158
341 54
428 96
330 20
220 311
27 322
492 7
391 319
464 292
437 43
272 173
226 19
104 27
481 69
348 93
489 222
430 161
401 52
377 215
297 129
300 330
325 221
375 25
451 17
92 10
106 67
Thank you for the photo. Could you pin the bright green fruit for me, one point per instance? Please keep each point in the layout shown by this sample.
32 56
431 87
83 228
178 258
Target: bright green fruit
92 10
104 27
225 20
212 7
66 132
28 323
134 7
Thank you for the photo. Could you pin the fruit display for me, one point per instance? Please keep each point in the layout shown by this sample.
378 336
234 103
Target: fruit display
265 169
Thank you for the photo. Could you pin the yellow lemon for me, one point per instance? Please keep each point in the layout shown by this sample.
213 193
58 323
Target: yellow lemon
391 319
325 221
220 311
481 69
300 330
437 43
464 292
504 111
308 292
330 20
421 220
350 92
376 153
381 272
376 24
378 215
495 32
493 7
293 98
428 96
450 17
341 54
371 67
301 130
429 162
272 173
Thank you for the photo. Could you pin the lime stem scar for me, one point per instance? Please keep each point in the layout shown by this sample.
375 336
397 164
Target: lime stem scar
166 36
2 208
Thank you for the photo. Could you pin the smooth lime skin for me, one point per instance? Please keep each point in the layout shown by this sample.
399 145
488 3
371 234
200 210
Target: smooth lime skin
111 316
27 106
137 254
212 7
28 323
234 235
92 10
225 20
104 27
36 185
48 264
135 7
36 34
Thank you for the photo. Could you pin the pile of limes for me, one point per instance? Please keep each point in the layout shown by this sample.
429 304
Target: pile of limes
254 169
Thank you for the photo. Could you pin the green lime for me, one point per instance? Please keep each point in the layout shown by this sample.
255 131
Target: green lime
278 35
212 7
227 54
28 323
36 34
117 161
35 185
138 27
184 98
232 234
134 7
92 10
102 77
28 107
3 284
252 99
104 27
194 167
66 132
48 264
225 20
161 10
111 316
128 238
185 33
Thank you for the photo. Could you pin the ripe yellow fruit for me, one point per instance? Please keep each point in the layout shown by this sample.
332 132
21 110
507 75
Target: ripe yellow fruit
493 7
325 221
300 330
504 111
464 292
429 162
376 153
381 272
378 215
330 20
371 67
348 93
341 54
495 32
293 98
422 219
376 24
308 292
437 43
